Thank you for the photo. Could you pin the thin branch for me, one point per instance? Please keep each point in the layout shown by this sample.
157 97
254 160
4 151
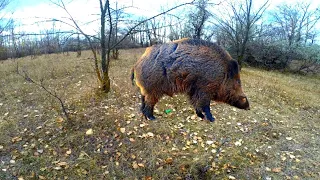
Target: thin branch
41 85
141 22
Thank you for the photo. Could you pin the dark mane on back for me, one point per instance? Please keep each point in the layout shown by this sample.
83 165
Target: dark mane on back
214 46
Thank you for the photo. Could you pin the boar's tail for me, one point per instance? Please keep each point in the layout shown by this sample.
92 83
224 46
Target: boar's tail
132 76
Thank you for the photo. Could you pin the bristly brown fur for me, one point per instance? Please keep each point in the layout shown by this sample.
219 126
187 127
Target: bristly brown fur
201 69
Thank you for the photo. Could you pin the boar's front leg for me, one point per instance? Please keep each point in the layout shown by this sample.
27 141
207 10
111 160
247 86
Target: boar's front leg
201 104
206 110
199 113
147 106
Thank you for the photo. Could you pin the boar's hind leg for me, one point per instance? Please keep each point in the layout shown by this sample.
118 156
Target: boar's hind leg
147 106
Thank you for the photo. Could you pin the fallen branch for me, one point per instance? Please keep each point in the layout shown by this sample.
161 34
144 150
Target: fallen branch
40 84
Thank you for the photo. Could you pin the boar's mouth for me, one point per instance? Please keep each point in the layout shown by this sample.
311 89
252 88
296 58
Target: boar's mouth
241 103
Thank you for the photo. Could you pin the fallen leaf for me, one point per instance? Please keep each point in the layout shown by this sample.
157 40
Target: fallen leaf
89 132
42 177
148 178
276 170
209 142
69 152
16 139
135 165
122 130
289 138
169 160
141 165
292 156
238 143
231 177
57 168
213 151
150 134
59 120
296 177
62 164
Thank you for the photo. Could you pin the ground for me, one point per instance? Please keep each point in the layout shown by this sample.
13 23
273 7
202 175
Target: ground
107 137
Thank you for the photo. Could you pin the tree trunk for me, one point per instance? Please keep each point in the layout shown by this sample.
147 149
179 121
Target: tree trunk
104 58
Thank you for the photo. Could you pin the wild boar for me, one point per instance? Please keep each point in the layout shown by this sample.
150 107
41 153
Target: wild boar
202 70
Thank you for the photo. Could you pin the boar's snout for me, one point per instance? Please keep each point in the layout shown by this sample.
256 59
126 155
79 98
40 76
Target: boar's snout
241 103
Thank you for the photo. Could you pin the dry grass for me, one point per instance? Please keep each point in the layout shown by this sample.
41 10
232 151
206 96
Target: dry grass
277 139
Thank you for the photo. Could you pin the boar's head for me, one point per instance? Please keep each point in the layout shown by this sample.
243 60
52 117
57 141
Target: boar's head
234 92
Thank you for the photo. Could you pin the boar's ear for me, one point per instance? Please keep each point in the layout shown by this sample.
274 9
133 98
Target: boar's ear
233 68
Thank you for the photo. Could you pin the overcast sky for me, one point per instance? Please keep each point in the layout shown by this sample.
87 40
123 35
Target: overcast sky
29 15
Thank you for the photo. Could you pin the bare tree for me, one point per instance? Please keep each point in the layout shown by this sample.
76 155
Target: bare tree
106 39
296 22
288 41
198 19
4 23
237 22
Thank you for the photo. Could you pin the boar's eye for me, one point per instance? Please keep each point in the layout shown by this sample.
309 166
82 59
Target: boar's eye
238 81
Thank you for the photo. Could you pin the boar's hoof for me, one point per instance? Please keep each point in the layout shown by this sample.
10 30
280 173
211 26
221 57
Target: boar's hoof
211 119
199 114
208 114
151 117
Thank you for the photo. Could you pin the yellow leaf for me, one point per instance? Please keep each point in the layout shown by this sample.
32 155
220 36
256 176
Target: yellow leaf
16 139
150 134
122 130
42 177
69 152
59 120
89 132
169 160
141 165
276 170
62 164
135 165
